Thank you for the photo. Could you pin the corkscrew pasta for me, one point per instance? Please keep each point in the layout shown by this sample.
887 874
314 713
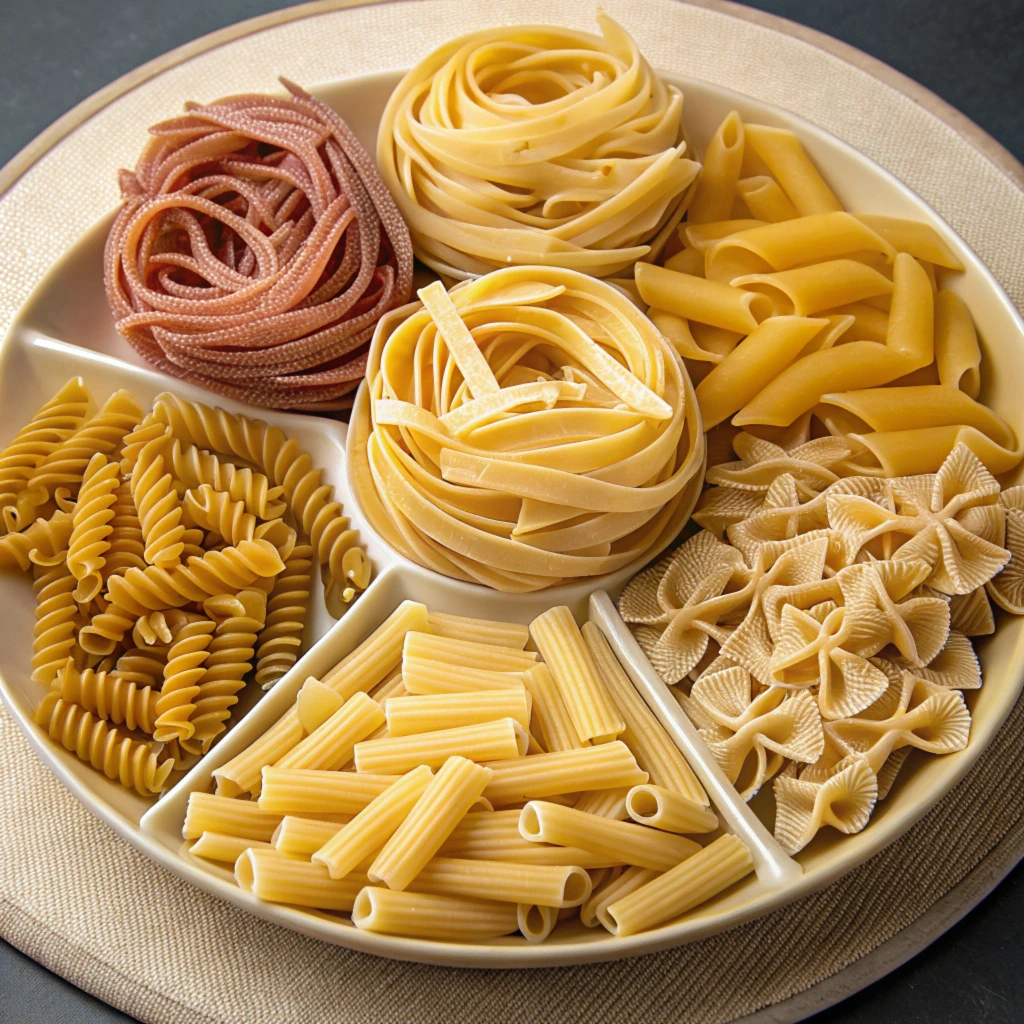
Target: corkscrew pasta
165 575
441 805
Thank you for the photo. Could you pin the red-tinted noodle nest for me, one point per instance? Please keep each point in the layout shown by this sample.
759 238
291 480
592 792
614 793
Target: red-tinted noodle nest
256 250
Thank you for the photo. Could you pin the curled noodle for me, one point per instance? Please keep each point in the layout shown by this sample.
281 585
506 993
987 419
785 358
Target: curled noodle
256 250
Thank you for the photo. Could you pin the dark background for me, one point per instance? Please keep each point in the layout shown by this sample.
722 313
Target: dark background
54 53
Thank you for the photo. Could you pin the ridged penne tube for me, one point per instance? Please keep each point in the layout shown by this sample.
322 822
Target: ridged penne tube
550 712
614 889
606 803
707 302
307 791
332 744
593 712
716 186
805 291
957 353
393 686
536 922
645 736
721 864
765 199
606 766
277 878
915 237
671 812
422 676
543 822
302 837
494 835
756 361
426 916
415 714
487 741
787 160
463 653
222 847
359 671
242 818
379 653
373 826
448 796
545 885
481 631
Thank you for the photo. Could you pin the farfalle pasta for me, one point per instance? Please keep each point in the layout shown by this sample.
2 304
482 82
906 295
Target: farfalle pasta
536 145
529 427
165 576
860 594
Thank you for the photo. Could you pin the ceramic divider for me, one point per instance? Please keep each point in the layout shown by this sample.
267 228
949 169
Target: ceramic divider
774 867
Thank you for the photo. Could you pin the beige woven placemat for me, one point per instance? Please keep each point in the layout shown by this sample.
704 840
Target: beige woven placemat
85 904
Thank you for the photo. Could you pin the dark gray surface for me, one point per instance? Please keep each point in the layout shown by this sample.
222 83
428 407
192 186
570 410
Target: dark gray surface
54 53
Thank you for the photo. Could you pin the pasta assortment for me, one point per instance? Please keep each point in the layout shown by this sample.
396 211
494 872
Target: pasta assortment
158 594
466 832
536 145
526 428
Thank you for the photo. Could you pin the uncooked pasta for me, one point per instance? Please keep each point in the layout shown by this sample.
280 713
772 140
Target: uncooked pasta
256 249
530 427
536 145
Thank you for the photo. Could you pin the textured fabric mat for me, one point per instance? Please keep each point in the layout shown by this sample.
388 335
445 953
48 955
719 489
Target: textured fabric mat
85 904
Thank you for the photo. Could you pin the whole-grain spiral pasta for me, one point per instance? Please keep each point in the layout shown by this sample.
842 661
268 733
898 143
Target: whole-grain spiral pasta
183 672
536 145
107 748
281 637
48 429
255 251
346 569
91 526
531 427
56 614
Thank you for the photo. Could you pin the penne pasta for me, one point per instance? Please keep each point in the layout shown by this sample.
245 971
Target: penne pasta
593 713
605 766
614 889
544 822
418 714
764 199
427 916
506 881
207 812
915 237
459 653
276 878
332 744
221 847
668 811
487 741
373 826
957 353
553 719
720 171
710 871
447 797
805 291
707 302
536 922
302 837
481 631
307 791
653 748
606 803
424 676
782 154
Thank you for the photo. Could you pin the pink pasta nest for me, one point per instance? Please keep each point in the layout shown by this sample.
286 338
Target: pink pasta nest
256 250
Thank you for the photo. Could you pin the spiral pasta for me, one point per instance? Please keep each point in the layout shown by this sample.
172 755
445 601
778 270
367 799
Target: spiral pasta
46 536
126 548
319 517
155 497
536 145
48 429
185 668
279 640
91 526
53 638
64 467
107 748
111 696
531 427
229 660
